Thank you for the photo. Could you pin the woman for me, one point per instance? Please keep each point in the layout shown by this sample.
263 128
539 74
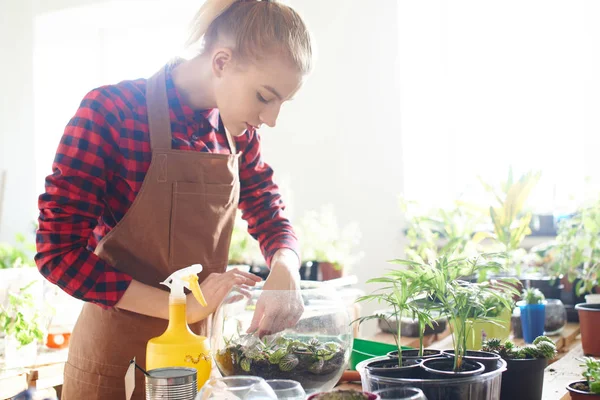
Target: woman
147 179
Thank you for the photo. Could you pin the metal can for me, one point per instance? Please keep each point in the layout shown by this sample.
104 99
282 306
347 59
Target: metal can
173 383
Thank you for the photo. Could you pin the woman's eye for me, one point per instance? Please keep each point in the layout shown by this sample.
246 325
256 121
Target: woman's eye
260 98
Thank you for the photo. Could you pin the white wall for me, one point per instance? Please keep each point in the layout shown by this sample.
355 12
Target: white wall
16 117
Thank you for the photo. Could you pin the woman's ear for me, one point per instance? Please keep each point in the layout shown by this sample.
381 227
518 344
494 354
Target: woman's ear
221 60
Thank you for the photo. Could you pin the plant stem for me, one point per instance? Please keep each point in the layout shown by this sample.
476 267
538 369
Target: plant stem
399 335
421 333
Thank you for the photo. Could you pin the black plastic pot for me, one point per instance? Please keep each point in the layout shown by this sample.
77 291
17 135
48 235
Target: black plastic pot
389 368
485 386
523 379
443 368
414 354
489 360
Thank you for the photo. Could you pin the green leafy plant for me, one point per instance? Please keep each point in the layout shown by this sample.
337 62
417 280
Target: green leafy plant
323 239
18 255
576 252
243 249
440 285
464 302
533 296
440 230
278 356
510 221
591 373
542 347
21 318
403 292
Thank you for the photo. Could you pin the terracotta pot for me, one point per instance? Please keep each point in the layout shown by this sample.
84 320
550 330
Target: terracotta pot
580 395
589 324
329 272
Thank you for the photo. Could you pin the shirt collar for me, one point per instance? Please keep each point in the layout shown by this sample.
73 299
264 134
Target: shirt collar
182 111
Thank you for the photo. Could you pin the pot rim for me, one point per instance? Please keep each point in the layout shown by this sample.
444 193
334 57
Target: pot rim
593 307
375 369
472 373
391 355
570 389
493 356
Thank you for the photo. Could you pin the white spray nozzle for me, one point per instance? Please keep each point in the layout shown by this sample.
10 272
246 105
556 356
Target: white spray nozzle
186 278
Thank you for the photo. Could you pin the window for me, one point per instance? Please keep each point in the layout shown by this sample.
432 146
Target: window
485 85
81 48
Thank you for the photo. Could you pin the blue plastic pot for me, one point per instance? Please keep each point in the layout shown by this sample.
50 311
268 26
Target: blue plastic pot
533 317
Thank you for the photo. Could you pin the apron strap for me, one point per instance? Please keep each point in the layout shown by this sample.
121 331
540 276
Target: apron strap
230 139
159 121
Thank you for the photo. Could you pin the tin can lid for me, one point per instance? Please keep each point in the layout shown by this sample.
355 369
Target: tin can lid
171 375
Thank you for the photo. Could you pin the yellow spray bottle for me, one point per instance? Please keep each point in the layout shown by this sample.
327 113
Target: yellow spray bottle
178 346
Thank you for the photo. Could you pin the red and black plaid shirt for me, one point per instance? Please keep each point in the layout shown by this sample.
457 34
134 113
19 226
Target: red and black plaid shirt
99 168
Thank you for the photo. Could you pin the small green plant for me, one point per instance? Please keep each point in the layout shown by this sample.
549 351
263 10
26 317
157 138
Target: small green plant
542 347
510 221
441 285
21 318
576 252
19 255
279 357
440 231
533 296
591 373
243 249
402 290
324 240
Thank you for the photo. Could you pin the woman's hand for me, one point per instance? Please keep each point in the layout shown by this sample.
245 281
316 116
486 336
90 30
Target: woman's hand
280 305
215 288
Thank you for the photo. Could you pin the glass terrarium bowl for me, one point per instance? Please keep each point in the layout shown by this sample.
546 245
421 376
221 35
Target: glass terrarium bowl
315 352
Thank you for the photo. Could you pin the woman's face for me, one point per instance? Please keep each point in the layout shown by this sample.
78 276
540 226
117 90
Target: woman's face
251 94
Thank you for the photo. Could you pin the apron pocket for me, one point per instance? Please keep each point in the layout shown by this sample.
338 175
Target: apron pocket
80 384
197 222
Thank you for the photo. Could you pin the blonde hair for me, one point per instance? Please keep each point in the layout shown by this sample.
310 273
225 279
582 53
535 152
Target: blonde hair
258 28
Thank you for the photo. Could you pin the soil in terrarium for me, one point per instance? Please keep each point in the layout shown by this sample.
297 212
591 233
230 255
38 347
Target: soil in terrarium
311 362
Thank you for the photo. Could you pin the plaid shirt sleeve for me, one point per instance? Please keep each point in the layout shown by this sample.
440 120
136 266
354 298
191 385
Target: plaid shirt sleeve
73 202
261 203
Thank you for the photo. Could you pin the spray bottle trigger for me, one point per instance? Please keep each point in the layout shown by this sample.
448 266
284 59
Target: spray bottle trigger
192 281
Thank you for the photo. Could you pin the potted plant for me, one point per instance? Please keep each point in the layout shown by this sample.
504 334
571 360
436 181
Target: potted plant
462 301
21 321
533 314
16 266
577 255
492 319
589 387
509 220
244 250
439 283
524 375
324 243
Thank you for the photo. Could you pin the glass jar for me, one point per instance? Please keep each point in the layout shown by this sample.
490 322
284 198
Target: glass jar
315 352
556 317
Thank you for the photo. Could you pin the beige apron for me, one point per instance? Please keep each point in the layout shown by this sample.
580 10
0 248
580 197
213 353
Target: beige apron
183 215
